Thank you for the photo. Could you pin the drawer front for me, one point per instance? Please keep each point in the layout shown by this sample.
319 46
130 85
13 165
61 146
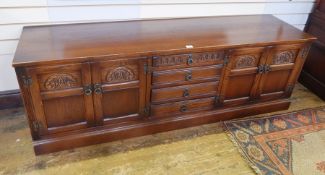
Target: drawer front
184 92
186 76
182 107
188 60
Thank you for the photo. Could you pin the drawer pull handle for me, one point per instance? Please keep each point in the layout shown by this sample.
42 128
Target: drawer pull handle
188 76
98 88
186 93
190 60
87 90
183 108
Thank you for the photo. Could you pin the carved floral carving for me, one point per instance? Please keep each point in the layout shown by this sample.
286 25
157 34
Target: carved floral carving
305 51
60 81
245 61
120 74
284 57
182 59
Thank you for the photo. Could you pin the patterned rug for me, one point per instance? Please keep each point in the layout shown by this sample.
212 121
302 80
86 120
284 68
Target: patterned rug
285 144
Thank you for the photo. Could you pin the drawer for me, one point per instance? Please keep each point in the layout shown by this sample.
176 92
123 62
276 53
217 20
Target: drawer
186 76
188 60
184 92
183 107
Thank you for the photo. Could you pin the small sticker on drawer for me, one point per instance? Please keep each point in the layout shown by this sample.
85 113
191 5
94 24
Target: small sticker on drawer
189 46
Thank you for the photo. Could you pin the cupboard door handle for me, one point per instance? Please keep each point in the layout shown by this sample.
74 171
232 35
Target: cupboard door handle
267 68
190 60
188 76
183 108
260 69
87 90
186 93
98 88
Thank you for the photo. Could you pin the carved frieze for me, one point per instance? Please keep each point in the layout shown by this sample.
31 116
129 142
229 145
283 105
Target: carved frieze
60 81
305 51
120 74
171 60
245 61
284 57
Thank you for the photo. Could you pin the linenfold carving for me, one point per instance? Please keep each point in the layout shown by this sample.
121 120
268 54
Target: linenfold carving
284 57
60 81
245 61
120 74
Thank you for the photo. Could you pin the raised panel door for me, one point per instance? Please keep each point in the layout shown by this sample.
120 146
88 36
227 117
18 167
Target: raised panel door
119 90
242 76
61 97
281 70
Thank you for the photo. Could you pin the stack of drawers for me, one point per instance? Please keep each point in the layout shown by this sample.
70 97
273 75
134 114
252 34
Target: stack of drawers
185 83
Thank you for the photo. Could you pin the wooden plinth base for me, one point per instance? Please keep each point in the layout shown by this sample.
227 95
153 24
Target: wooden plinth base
151 126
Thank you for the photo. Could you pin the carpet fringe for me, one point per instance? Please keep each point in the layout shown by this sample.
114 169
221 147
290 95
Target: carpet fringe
247 159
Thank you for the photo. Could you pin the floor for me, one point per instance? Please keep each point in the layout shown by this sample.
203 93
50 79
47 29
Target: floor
198 150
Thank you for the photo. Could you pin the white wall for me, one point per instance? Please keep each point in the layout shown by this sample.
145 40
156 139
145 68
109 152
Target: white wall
14 14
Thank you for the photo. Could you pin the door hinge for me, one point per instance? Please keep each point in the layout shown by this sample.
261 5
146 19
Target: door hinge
217 100
226 60
146 110
289 88
27 81
147 68
37 125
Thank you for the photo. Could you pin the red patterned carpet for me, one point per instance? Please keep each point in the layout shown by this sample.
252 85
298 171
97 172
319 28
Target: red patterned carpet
285 144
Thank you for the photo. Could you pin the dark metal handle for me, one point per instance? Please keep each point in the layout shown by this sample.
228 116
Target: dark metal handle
216 99
98 88
183 108
87 90
267 68
186 93
188 76
190 60
260 69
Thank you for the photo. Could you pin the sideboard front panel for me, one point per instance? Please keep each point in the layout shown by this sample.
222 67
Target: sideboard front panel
281 71
242 76
119 90
62 97
117 80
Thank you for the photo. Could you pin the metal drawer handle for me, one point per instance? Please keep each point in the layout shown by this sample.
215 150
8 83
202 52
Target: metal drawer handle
188 76
183 108
98 88
186 93
190 60
87 90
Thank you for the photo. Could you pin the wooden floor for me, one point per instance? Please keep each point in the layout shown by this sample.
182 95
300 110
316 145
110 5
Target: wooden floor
198 150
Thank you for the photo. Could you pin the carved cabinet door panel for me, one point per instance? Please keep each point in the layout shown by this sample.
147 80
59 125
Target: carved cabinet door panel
62 98
241 76
119 90
281 70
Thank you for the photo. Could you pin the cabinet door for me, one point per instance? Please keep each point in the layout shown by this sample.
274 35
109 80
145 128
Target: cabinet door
60 103
119 90
241 76
282 69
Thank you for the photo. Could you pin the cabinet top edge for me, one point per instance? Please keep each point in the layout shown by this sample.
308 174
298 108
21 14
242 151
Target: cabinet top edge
81 42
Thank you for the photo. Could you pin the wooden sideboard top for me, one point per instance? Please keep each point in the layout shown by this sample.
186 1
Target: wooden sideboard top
71 42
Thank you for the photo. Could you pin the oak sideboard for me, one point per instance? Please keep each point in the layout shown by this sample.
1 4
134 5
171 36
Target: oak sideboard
91 83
